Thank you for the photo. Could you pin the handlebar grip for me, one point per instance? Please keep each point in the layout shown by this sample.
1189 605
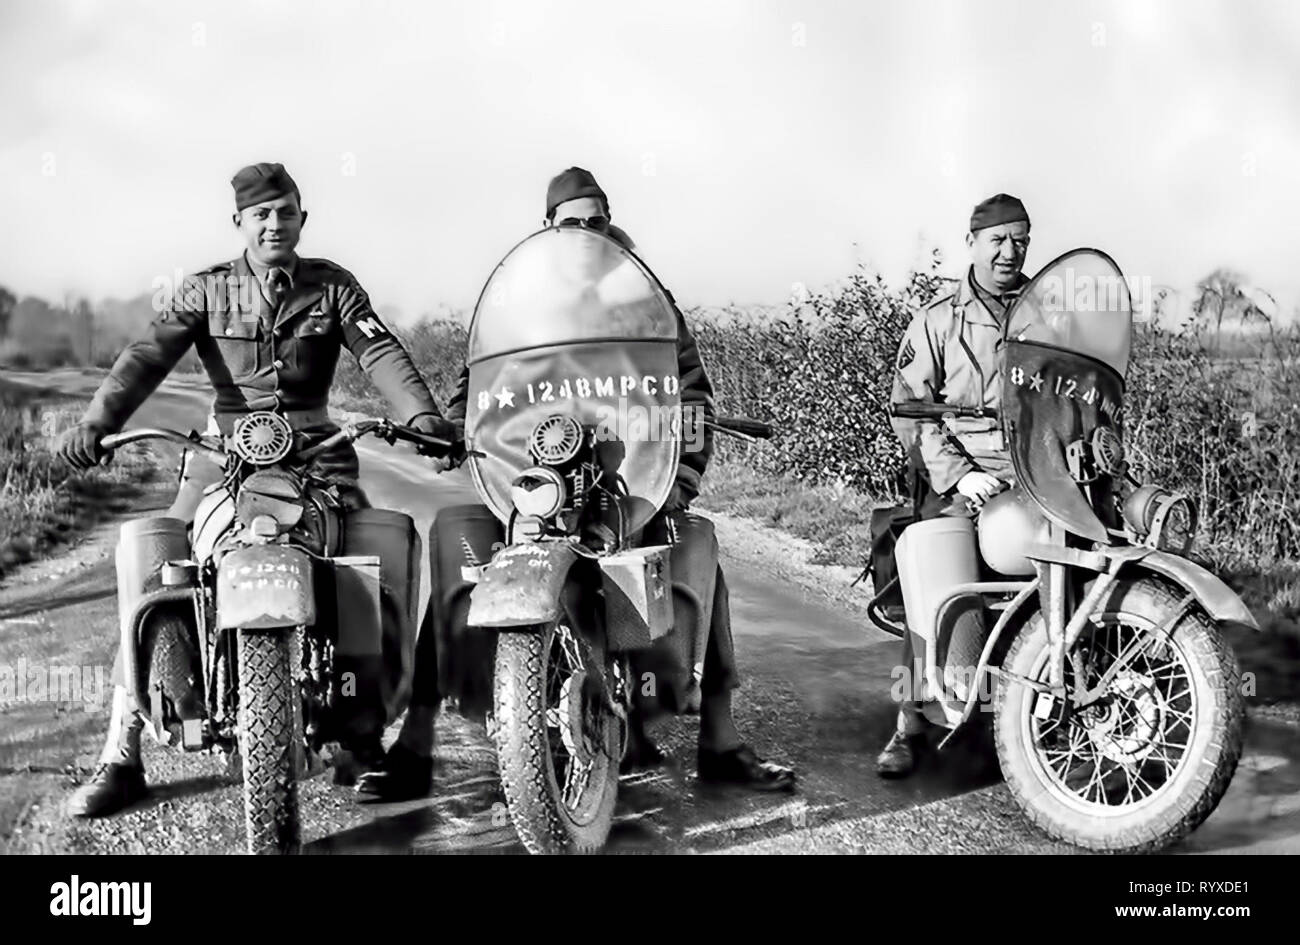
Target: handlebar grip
917 410
924 410
438 445
433 445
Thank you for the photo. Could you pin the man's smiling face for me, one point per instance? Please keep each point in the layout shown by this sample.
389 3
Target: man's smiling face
272 229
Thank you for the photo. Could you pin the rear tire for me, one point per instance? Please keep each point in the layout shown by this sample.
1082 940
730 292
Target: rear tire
270 738
1169 735
534 732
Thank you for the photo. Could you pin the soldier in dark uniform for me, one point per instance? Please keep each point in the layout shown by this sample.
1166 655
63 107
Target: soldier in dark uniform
949 354
575 199
269 327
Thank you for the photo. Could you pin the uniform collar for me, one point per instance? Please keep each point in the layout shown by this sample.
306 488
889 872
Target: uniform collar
305 286
978 311
261 272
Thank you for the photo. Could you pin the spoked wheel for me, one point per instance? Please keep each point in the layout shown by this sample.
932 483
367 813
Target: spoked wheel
1146 763
558 742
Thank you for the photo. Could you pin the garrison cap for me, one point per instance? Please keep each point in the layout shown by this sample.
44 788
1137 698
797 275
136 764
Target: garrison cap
571 184
258 183
998 209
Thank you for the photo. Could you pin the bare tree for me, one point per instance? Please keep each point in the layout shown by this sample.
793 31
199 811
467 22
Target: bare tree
7 303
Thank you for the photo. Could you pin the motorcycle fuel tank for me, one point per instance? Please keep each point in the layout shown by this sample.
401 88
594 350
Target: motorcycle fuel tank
1008 524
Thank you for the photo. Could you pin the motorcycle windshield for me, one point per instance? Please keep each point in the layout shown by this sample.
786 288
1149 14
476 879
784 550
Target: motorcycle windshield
1067 349
572 323
1081 303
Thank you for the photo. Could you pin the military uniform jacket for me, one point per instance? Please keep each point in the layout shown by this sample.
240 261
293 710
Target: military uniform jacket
260 360
951 353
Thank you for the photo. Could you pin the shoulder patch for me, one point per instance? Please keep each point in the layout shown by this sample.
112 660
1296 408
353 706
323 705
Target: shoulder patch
907 354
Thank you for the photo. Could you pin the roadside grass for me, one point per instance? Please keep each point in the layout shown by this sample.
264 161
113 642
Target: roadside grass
1273 655
42 502
837 521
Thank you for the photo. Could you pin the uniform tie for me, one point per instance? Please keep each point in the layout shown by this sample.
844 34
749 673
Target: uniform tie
277 285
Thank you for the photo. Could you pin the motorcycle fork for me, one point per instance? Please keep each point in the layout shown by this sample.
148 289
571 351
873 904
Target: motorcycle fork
1058 599
317 688
615 685
593 649
223 683
1053 589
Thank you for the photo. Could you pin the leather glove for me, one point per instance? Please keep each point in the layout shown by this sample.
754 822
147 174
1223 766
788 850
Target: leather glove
78 446
432 425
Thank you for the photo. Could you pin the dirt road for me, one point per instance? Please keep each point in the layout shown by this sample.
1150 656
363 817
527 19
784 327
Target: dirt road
815 695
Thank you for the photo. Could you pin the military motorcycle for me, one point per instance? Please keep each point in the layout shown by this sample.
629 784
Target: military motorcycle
277 619
1070 609
573 429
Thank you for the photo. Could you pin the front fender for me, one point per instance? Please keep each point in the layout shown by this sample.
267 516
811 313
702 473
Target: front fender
1218 600
522 585
265 586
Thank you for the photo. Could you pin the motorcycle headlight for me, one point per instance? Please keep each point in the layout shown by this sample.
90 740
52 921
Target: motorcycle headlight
1161 519
538 491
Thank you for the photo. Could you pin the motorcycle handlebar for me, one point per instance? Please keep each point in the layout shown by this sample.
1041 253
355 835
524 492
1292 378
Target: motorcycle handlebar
349 432
352 431
191 441
389 432
435 445
924 410
743 427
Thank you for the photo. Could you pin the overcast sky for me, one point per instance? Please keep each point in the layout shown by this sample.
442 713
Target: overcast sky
747 147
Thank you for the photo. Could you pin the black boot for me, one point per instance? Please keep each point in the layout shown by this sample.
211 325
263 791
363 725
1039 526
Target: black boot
898 758
642 753
741 767
402 776
113 787
357 758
